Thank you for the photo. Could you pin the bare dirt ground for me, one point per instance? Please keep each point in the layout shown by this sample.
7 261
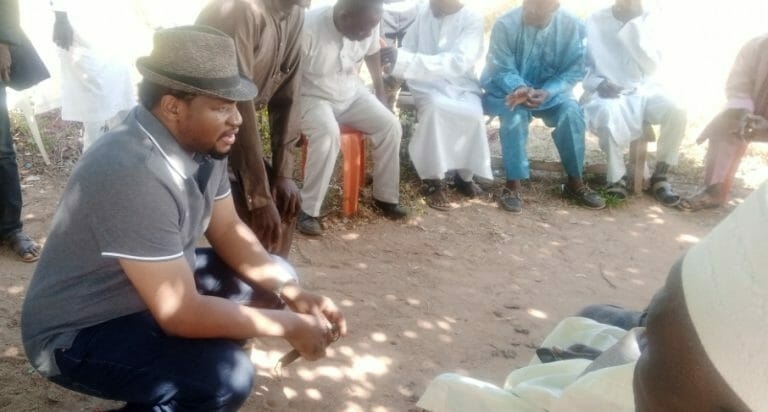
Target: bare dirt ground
470 291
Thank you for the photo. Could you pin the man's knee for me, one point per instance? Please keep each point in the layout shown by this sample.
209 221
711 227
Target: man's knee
325 136
570 111
224 384
394 127
515 122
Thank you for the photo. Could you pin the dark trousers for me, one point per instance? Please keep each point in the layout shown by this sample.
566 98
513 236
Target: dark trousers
131 359
10 188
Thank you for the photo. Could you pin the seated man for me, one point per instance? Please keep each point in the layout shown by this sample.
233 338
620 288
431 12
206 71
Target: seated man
703 347
620 96
730 132
438 61
336 41
535 57
122 306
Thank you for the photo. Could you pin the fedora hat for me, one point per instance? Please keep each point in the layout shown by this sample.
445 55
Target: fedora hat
196 59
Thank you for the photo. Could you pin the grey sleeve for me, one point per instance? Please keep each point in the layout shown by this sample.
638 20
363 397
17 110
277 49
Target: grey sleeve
137 221
223 188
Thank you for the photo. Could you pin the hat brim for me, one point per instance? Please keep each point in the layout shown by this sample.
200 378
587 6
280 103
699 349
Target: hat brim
245 90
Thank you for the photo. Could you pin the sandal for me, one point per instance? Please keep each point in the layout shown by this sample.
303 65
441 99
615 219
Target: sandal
663 192
469 189
24 246
435 196
699 201
618 189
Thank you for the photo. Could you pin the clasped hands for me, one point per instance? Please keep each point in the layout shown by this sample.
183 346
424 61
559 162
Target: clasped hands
527 96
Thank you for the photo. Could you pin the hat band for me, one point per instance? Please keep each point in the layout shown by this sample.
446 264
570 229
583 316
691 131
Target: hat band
205 83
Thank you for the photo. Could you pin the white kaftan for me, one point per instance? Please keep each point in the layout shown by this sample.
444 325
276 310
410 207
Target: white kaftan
438 61
627 54
576 385
96 70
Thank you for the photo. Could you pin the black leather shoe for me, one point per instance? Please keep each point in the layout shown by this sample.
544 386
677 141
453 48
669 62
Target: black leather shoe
510 201
391 210
309 225
586 197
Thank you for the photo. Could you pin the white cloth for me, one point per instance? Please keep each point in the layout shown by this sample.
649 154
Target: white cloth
332 93
562 386
438 61
94 130
96 70
331 62
627 54
725 281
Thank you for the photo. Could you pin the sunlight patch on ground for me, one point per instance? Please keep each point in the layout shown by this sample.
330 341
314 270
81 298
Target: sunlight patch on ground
443 325
686 238
15 290
538 314
350 236
313 394
11 352
362 265
410 334
424 324
379 337
413 302
347 303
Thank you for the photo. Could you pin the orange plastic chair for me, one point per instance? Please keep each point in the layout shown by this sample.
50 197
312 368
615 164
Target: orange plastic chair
353 175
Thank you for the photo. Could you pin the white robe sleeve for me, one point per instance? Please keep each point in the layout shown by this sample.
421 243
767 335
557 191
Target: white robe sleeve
638 38
455 62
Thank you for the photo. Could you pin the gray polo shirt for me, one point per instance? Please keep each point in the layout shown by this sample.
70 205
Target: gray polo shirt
132 195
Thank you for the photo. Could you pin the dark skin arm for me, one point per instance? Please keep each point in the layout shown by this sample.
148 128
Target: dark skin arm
63 34
373 62
5 63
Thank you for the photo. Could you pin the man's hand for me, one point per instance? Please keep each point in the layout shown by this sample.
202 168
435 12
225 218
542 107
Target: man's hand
301 301
5 63
310 336
536 97
609 90
518 96
752 127
265 222
63 34
388 58
287 197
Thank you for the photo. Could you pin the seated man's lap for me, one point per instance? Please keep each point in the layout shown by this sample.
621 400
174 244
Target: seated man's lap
368 115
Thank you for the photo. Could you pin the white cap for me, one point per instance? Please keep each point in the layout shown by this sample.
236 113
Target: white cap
725 281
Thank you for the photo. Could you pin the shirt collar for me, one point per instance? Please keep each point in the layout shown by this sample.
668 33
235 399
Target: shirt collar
181 161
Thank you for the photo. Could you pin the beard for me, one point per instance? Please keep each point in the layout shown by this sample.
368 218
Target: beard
218 155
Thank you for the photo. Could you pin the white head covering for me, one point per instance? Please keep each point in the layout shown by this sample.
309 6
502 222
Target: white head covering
725 280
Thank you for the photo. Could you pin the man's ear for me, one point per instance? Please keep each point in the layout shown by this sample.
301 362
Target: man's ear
169 106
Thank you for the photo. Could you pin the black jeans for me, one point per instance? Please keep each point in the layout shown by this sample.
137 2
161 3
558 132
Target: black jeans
10 188
131 359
